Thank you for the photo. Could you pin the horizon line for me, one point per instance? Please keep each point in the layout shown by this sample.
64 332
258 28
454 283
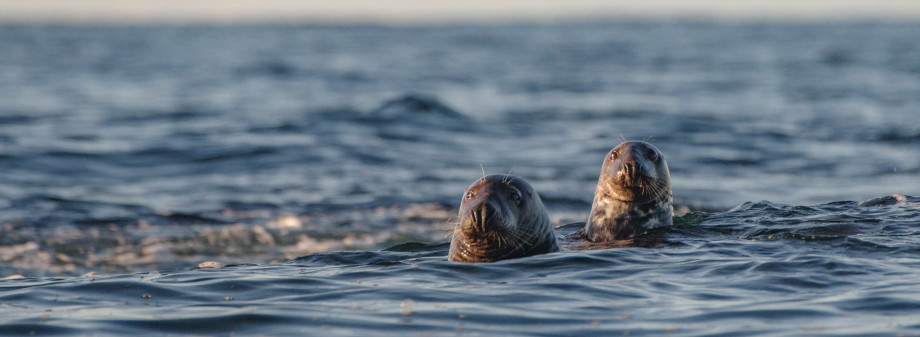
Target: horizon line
458 21
427 12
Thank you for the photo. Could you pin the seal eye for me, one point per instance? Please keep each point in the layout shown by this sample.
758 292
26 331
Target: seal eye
516 198
614 155
653 155
470 195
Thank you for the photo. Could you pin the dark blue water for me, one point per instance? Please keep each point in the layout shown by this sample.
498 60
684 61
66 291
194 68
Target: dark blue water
323 165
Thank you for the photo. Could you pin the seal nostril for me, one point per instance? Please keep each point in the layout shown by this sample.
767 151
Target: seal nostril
484 215
630 169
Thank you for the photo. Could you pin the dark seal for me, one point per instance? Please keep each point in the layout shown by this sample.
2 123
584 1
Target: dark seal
501 217
633 194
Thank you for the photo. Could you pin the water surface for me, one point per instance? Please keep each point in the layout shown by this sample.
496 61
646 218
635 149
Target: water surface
324 164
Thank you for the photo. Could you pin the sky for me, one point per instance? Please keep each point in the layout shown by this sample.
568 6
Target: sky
435 11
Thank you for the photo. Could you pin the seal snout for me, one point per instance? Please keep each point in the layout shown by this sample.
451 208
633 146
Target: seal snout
486 214
631 170
482 210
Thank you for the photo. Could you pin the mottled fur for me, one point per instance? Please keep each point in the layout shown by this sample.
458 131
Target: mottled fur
633 194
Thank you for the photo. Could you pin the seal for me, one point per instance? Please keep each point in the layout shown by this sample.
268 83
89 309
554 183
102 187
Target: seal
501 217
633 194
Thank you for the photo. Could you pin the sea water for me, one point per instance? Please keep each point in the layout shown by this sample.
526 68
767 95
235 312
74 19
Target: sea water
320 168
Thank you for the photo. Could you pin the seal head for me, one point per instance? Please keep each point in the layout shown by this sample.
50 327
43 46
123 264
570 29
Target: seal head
501 217
633 194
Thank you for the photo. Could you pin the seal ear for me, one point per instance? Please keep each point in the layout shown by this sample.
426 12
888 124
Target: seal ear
653 155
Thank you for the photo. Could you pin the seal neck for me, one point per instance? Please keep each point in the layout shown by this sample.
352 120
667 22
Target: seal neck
621 221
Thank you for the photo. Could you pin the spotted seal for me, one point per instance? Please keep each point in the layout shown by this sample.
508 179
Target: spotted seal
501 217
633 194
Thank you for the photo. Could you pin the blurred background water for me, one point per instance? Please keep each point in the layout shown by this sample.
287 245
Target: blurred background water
154 148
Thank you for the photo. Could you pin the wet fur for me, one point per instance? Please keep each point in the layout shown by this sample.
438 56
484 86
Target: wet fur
493 227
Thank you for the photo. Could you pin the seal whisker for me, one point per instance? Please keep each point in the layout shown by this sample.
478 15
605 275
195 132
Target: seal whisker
519 239
485 217
505 179
502 237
